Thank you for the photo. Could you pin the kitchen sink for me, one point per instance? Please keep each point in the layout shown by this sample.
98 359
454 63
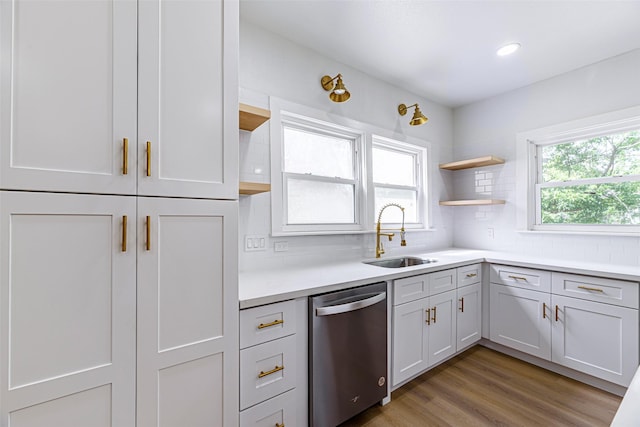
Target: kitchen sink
407 261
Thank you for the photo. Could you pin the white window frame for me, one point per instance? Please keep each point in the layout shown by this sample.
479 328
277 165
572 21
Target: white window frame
364 205
529 182
420 170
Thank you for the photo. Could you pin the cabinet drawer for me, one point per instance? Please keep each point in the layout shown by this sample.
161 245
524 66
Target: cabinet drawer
267 322
611 291
279 410
526 278
267 370
410 289
468 275
442 281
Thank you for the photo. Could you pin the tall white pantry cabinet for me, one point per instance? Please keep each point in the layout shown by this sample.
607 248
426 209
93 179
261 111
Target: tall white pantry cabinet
118 213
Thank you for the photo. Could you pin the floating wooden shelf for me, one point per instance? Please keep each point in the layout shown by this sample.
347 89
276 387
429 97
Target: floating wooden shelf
477 202
472 163
250 188
251 117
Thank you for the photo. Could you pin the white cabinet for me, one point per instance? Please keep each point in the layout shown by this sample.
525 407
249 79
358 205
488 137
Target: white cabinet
469 318
520 319
67 309
442 330
187 312
80 78
273 364
586 323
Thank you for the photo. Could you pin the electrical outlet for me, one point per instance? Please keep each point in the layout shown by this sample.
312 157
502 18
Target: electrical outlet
490 233
281 246
254 243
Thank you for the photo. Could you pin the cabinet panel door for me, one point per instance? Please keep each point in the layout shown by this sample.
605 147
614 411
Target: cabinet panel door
187 312
442 330
67 298
442 281
67 95
469 318
521 319
188 101
595 338
410 345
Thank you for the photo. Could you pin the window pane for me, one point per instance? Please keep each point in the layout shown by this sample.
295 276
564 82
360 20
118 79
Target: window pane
405 198
609 155
393 167
317 154
313 202
617 204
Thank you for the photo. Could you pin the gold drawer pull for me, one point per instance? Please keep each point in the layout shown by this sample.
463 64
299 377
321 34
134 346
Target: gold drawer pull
462 305
263 374
544 310
470 275
557 318
125 156
147 244
428 311
518 278
434 315
587 288
148 158
274 323
124 233
279 425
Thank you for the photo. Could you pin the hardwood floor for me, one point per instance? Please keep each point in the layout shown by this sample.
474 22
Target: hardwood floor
482 387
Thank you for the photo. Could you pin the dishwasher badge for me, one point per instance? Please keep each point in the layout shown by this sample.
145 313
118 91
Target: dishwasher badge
381 381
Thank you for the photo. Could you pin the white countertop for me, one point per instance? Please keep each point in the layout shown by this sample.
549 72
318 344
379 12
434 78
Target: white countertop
273 285
628 414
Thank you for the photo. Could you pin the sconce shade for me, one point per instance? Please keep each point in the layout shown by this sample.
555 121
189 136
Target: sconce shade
417 119
339 92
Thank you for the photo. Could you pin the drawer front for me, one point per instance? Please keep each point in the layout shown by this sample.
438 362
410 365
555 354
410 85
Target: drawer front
526 278
410 289
468 275
267 322
442 281
267 370
611 291
277 411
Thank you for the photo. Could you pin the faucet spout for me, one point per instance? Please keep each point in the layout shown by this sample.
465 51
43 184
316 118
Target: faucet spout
403 242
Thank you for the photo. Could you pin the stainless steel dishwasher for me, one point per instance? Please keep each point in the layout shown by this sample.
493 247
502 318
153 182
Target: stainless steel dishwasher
347 353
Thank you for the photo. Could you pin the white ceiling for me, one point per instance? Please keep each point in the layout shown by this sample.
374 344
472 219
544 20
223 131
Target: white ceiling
445 50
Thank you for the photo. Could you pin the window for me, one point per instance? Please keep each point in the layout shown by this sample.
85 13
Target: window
332 175
587 178
398 178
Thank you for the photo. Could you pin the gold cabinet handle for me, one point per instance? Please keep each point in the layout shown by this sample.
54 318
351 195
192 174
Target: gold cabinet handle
518 278
587 288
148 158
428 311
263 374
434 315
544 310
557 309
148 232
470 275
125 156
274 323
279 425
462 304
124 233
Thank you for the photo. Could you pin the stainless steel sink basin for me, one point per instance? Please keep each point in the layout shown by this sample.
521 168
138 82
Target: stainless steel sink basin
407 261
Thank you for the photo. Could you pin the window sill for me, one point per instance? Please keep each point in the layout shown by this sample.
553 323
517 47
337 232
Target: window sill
330 233
583 233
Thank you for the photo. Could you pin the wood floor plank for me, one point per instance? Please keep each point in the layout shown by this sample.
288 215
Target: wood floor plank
482 387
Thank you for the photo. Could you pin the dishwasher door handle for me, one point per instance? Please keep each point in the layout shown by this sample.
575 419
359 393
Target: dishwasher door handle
350 306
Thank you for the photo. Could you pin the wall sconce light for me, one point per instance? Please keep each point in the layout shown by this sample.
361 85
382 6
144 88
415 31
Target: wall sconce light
417 119
339 93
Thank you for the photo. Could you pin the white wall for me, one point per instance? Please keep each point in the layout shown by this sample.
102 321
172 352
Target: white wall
273 66
490 127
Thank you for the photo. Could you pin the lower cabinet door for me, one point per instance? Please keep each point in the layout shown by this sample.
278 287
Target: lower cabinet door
469 316
410 345
521 319
277 411
442 327
595 338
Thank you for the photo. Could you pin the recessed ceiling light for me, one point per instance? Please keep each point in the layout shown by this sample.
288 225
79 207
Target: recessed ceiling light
508 49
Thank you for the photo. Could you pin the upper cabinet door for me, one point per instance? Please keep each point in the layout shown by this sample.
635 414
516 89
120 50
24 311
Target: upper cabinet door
68 95
188 101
